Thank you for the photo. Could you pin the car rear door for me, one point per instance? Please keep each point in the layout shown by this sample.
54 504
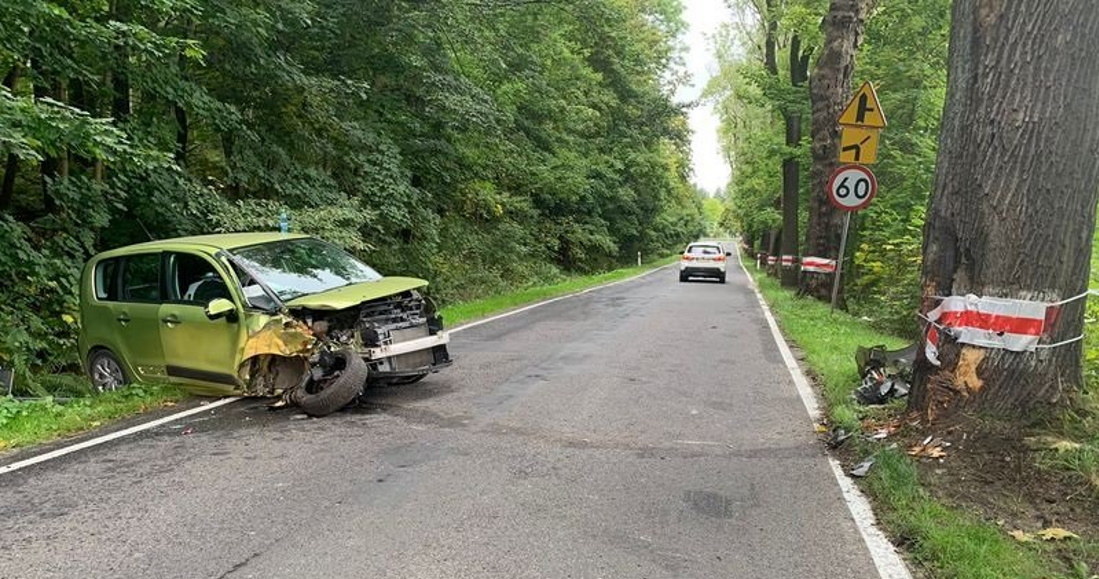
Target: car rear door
134 316
197 350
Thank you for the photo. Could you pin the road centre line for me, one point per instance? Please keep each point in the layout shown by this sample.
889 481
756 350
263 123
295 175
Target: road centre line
114 435
223 401
884 554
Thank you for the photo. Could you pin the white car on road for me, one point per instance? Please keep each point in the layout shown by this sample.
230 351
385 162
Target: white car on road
703 259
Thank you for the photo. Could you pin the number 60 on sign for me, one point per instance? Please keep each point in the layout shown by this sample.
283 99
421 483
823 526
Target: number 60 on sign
852 187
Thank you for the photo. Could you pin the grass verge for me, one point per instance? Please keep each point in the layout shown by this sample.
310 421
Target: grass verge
456 314
946 541
23 423
27 422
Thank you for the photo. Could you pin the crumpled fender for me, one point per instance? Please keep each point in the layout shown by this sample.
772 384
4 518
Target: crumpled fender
280 335
276 354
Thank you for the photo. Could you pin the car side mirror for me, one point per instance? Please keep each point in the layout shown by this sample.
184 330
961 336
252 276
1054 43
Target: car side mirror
728 254
221 308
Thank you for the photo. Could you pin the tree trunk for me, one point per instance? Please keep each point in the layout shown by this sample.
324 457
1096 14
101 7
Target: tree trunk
829 87
11 164
770 63
799 70
182 136
1013 210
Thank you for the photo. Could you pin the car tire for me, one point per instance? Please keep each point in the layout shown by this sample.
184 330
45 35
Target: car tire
106 372
722 278
682 277
323 397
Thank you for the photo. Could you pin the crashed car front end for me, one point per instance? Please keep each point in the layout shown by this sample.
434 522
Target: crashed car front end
318 317
399 336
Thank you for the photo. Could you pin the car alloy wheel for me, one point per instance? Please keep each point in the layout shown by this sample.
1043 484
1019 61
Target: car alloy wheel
106 373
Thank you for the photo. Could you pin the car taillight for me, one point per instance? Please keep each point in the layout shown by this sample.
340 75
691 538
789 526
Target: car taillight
687 257
719 258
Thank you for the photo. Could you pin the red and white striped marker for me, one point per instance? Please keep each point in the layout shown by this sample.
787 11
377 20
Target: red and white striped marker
789 260
818 265
771 260
1014 325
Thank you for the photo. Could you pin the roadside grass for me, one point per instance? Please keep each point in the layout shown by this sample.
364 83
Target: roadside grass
27 422
459 313
948 542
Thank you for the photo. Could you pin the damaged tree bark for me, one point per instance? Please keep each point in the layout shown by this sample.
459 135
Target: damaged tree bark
1013 210
829 87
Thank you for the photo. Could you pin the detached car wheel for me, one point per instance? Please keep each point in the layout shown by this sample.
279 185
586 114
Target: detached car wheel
105 372
342 383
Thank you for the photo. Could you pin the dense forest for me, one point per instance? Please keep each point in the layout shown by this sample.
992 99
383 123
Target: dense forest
903 51
482 144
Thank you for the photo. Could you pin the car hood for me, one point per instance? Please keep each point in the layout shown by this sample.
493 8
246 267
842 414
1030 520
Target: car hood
352 295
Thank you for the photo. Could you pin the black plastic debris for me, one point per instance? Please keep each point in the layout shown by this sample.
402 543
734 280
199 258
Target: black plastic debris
886 374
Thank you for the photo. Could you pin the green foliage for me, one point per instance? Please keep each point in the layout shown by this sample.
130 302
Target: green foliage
485 146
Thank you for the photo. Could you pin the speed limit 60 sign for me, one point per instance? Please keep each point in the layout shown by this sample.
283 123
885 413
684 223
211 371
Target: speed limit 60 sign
852 187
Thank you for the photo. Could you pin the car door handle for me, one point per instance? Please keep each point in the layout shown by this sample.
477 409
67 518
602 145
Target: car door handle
123 319
171 319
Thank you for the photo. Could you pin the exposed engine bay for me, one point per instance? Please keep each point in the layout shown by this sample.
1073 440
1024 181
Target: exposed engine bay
386 332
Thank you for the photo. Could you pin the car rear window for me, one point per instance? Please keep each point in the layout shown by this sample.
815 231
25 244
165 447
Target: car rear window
704 250
106 280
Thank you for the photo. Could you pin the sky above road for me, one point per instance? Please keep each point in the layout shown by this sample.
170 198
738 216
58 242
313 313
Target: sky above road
704 18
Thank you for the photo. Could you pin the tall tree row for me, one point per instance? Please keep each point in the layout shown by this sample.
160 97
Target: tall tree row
900 46
484 145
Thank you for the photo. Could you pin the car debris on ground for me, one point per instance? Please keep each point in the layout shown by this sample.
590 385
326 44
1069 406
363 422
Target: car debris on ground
886 374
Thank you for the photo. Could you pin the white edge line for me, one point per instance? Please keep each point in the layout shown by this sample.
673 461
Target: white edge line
114 435
173 417
885 556
556 299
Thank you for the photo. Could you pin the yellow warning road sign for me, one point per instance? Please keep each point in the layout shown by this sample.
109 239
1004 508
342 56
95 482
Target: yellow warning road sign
859 145
864 110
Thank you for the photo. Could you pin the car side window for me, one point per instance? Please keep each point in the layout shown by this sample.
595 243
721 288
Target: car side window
106 280
194 280
141 278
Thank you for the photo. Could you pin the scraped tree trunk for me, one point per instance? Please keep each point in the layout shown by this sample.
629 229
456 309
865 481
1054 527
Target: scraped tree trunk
829 87
1013 210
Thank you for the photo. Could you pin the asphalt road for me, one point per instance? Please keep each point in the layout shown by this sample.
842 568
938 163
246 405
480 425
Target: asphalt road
648 430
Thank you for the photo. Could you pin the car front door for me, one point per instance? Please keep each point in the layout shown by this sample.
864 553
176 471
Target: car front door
135 316
199 351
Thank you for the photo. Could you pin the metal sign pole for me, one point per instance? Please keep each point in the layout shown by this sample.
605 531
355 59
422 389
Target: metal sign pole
839 260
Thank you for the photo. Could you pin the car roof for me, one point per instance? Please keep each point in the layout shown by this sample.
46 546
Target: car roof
208 243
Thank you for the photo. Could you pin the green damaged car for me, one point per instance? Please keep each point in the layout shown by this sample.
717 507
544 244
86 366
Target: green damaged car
255 314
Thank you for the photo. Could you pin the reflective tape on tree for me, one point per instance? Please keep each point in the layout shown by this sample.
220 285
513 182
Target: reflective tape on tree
852 187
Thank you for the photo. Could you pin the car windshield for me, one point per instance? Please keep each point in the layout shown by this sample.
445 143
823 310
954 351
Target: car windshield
298 267
704 250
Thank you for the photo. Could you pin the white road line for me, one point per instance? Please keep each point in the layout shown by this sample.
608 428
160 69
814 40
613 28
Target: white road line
552 300
114 435
173 417
885 556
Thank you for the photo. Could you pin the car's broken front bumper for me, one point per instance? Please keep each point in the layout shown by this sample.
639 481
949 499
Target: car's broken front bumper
416 355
